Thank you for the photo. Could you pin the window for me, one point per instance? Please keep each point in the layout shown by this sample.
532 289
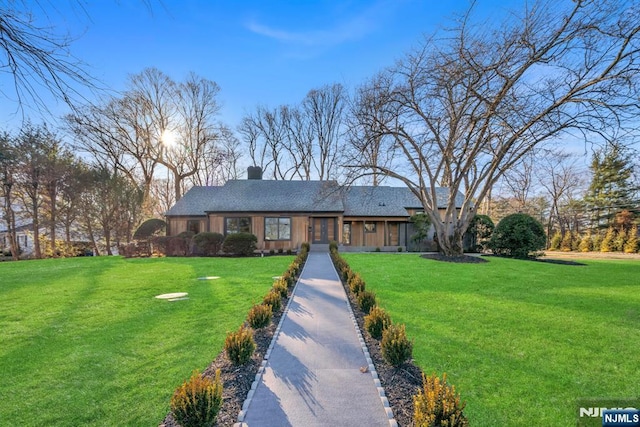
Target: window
346 233
193 225
277 229
370 227
237 225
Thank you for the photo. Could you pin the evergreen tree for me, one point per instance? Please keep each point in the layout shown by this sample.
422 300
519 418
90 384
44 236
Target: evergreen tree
611 189
631 246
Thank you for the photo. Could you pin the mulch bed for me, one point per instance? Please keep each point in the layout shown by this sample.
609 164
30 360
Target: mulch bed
399 383
237 380
468 259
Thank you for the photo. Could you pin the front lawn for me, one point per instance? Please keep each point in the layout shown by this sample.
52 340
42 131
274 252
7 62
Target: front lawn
84 342
520 340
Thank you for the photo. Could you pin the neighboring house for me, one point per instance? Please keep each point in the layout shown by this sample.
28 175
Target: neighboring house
24 237
284 214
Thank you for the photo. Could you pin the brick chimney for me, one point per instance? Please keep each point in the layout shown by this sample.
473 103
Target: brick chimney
254 172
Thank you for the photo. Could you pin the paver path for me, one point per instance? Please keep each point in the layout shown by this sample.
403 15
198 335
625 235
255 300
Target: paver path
313 376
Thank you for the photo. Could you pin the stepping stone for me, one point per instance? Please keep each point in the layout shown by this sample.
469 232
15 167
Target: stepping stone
209 278
173 295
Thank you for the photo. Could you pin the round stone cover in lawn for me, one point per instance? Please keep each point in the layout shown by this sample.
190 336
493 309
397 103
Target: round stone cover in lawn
172 295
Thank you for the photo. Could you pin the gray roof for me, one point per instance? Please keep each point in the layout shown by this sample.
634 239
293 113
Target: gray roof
301 196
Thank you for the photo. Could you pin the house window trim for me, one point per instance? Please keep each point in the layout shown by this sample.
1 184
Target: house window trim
373 225
238 218
278 228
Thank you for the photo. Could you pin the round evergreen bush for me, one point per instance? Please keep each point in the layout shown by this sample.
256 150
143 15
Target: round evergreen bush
518 236
208 243
240 244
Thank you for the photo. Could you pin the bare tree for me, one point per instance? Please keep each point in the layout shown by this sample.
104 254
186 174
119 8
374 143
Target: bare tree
191 133
298 142
559 175
324 109
468 107
37 57
365 136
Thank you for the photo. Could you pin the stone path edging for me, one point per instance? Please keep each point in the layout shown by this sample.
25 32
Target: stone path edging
365 350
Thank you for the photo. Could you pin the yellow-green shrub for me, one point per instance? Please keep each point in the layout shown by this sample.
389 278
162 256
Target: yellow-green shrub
395 346
280 286
259 316
366 301
273 299
437 404
377 321
240 345
356 284
197 402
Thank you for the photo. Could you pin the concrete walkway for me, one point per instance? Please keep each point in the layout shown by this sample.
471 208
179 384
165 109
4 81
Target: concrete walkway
312 375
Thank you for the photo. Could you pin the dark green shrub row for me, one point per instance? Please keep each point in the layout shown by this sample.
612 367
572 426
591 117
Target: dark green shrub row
436 404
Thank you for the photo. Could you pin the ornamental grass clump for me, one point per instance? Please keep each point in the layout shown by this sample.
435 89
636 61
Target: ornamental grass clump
437 404
395 346
377 321
273 299
259 316
366 301
240 346
197 402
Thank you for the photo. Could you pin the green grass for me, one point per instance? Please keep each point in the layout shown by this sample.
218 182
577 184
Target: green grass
84 342
520 340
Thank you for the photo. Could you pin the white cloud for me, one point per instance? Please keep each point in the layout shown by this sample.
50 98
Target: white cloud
352 29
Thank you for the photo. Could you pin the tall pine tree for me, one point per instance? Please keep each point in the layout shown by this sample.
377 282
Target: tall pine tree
611 189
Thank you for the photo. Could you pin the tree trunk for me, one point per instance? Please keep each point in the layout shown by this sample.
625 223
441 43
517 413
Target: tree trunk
11 223
450 239
36 228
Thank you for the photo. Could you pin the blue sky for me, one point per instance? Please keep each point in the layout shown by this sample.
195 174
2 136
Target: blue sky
259 52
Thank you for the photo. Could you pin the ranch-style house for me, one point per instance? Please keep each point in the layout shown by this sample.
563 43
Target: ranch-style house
284 214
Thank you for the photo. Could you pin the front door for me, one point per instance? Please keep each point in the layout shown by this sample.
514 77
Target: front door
323 230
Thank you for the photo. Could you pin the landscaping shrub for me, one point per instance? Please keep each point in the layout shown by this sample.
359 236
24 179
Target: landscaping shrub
395 346
377 321
280 286
366 301
556 241
159 245
437 404
607 242
333 246
305 246
178 246
481 228
356 284
273 299
240 244
518 236
209 244
620 241
259 316
289 278
585 243
631 246
240 346
197 402
565 245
